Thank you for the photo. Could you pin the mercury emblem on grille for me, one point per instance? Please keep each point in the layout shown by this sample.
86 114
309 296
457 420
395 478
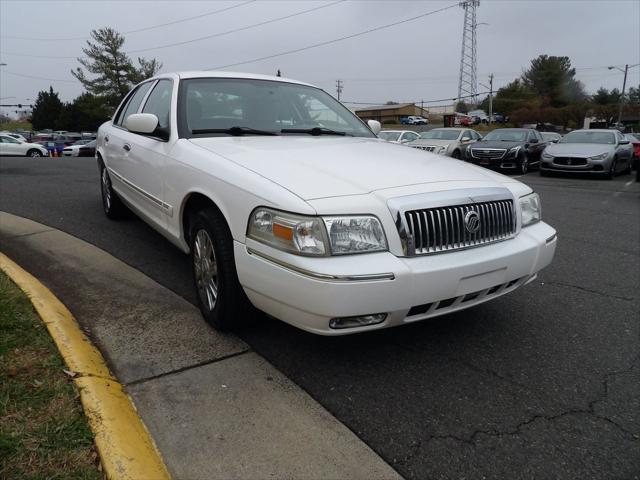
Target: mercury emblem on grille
472 221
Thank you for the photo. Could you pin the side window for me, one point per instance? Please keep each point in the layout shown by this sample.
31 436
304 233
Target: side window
159 102
133 104
532 135
410 136
466 135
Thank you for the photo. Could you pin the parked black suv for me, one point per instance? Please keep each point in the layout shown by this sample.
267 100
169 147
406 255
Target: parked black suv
508 148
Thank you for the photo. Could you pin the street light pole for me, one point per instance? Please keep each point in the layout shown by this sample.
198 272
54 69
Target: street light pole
624 85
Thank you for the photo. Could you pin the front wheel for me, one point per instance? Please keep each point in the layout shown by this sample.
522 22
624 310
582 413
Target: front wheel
456 154
612 169
221 299
33 153
524 165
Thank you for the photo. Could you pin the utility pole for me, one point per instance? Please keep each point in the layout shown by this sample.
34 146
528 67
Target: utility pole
490 97
339 84
468 81
624 85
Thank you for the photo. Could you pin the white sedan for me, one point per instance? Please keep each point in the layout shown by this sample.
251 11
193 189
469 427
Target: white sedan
74 150
398 136
9 146
288 203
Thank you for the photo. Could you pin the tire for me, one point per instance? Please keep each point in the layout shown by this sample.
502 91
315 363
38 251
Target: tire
113 207
34 153
627 171
543 173
524 165
221 299
456 154
612 170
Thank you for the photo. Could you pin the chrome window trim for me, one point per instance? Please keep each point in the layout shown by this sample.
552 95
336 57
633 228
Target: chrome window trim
322 276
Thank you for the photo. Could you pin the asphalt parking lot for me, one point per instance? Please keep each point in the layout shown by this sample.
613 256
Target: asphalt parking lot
541 383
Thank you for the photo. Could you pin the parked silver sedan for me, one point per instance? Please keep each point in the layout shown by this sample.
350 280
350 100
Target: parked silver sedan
446 141
601 152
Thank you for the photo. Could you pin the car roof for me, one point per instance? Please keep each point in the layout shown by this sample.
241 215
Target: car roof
220 74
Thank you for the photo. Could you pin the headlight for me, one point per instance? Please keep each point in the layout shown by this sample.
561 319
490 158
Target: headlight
442 149
547 156
513 152
289 232
531 209
306 235
355 234
602 156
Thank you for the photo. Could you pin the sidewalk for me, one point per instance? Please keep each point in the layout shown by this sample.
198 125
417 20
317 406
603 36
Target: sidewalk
214 408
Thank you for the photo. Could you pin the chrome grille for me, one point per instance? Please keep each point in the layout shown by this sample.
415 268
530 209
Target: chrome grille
491 153
569 161
442 229
422 147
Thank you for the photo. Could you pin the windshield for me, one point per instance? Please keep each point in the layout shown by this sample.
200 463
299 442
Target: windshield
589 137
389 136
438 134
505 135
221 104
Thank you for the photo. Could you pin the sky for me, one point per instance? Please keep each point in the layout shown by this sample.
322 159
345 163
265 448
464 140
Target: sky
414 61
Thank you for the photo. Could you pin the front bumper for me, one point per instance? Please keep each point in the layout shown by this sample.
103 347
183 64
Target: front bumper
316 290
590 166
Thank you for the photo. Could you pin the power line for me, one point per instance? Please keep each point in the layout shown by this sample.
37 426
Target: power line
193 40
206 14
328 42
259 24
452 99
38 78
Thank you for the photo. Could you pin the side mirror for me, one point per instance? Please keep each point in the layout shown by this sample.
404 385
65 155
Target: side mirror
144 123
624 142
375 126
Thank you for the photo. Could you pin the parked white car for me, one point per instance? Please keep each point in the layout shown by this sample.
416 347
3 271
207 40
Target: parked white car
74 150
288 202
446 141
398 136
16 136
9 146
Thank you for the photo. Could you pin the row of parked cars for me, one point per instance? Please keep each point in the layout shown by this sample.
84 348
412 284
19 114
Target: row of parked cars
601 152
43 144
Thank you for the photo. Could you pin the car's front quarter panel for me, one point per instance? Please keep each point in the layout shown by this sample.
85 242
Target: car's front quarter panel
235 190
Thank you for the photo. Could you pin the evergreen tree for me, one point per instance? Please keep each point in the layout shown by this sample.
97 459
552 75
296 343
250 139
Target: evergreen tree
46 110
113 73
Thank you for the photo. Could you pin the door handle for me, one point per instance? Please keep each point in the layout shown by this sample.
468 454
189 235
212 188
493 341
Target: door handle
127 147
106 139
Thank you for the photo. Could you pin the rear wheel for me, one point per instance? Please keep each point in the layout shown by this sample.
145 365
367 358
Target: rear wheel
34 153
111 204
221 299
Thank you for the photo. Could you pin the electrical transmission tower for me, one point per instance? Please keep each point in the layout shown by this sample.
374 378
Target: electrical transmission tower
339 86
468 83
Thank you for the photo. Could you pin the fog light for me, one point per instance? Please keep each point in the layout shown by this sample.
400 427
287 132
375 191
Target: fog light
361 321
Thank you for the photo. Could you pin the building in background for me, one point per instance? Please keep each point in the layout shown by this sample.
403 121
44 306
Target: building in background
391 113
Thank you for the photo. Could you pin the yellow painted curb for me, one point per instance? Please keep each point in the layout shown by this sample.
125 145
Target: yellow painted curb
126 449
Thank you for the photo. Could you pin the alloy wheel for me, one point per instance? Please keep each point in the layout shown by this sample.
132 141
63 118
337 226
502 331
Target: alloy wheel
205 269
106 189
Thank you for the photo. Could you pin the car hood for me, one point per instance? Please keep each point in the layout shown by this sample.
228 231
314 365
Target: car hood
578 149
321 167
437 143
496 144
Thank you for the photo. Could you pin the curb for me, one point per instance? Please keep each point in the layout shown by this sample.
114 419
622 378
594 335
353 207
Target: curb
126 449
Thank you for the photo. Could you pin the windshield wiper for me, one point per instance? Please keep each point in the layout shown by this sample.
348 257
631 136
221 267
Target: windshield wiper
314 131
235 131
